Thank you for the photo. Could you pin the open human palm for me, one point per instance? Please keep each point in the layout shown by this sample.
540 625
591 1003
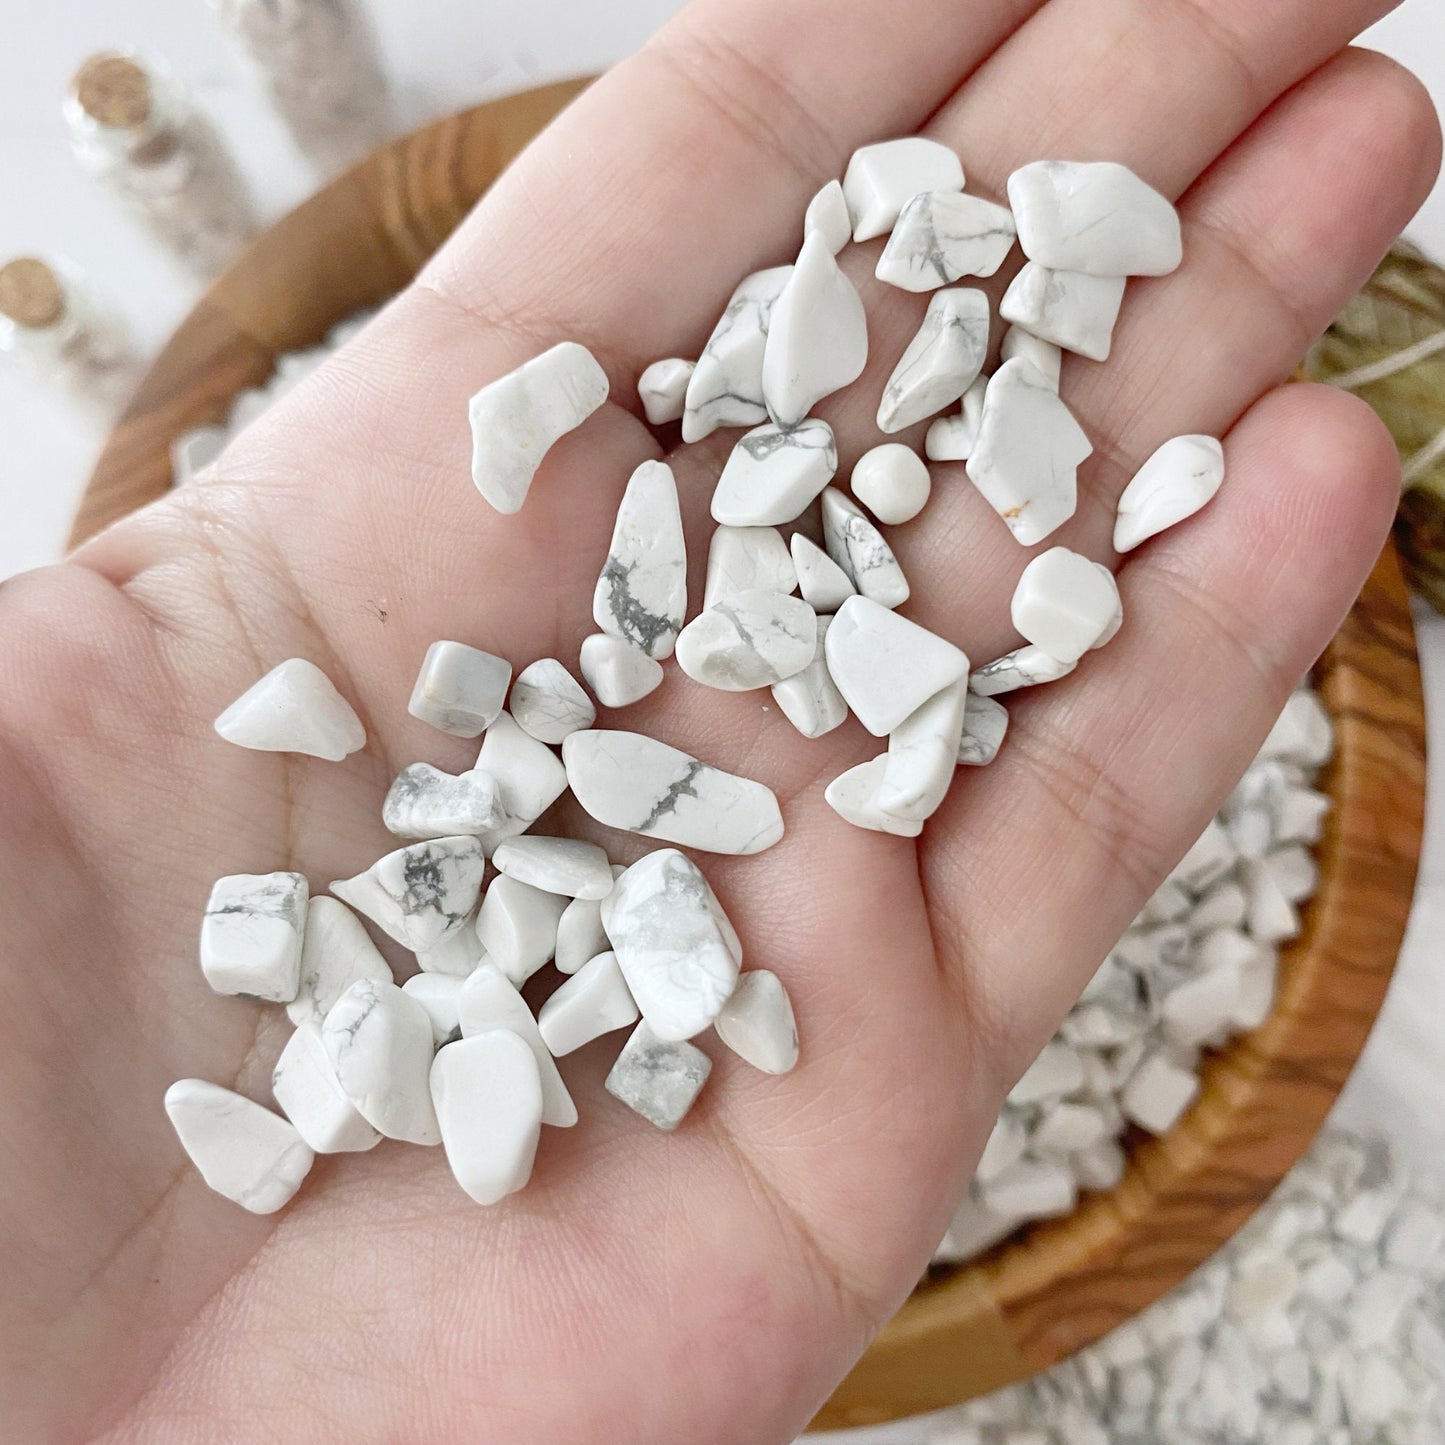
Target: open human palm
712 1284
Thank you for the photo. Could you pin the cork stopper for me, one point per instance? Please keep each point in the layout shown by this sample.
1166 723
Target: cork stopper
113 90
30 293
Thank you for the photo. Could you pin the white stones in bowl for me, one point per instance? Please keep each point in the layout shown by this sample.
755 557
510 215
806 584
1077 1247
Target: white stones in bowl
1094 216
757 1023
460 689
828 214
419 894
424 802
824 585
1070 309
662 389
774 473
1179 479
548 702
747 559
752 640
658 1079
336 952
593 1002
310 1095
569 866
941 237
516 419
810 699
858 549
619 673
882 178
892 481
641 596
942 361
251 935
1064 603
295 708
630 781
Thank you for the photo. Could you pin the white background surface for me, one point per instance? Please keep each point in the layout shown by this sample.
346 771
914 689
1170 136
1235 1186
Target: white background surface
442 54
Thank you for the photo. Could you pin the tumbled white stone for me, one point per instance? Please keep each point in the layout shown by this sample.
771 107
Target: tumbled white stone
593 1002
438 994
881 179
1024 667
922 756
662 389
726 388
810 699
295 708
823 583
892 481
487 1094
379 1042
548 702
516 419
1005 1147
616 671
774 473
941 237
641 596
460 689
853 796
580 935
419 894
636 783
757 1023
251 935
1198 1008
752 640
1026 459
1031 1189
1044 356
456 955
886 666
517 927
942 361
488 1001
1064 603
747 559
984 724
1302 734
243 1151
310 1095
425 802
336 951
528 774
569 866
952 438
1271 916
658 1078
1171 486
1072 310
664 925
1057 1071
1068 1128
1094 216
1158 1093
817 336
828 214
857 546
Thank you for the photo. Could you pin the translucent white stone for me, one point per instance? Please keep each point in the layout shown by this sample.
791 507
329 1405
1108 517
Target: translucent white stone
828 214
336 951
641 596
892 481
810 699
857 546
941 237
517 927
1064 603
295 708
657 1078
881 179
1070 309
942 361
757 1023
548 702
460 689
310 1095
619 673
593 1002
747 559
749 641
251 935
1171 486
662 389
419 894
823 583
425 802
773 474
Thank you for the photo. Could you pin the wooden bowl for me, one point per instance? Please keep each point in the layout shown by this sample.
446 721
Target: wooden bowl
1055 1287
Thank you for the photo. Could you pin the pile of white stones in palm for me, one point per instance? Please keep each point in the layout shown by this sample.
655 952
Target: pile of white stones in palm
455 1054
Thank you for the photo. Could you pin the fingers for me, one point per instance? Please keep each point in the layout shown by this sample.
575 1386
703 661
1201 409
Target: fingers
1108 776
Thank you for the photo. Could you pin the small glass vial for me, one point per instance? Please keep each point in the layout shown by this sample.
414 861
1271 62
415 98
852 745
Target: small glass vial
131 127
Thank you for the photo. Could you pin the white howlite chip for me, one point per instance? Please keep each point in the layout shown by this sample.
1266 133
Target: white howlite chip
1072 310
668 933
1158 1093
1171 486
942 361
295 708
857 546
593 1002
619 673
310 1095
881 179
419 894
460 689
517 927
823 583
747 559
438 994
817 335
892 481
336 951
1024 667
726 388
633 782
487 1094
516 419
580 935
425 802
922 756
853 796
749 641
1057 1071
1094 216
641 596
1031 1189
658 1079
456 955
952 438
886 666
662 389
828 214
379 1042
528 774
810 699
251 935
757 1023
1044 356
941 237
1026 459
548 702
1302 734
569 866
244 1151
488 1001
774 473
985 722
1064 603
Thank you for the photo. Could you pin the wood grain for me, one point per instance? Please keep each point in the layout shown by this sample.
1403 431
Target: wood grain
1056 1287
